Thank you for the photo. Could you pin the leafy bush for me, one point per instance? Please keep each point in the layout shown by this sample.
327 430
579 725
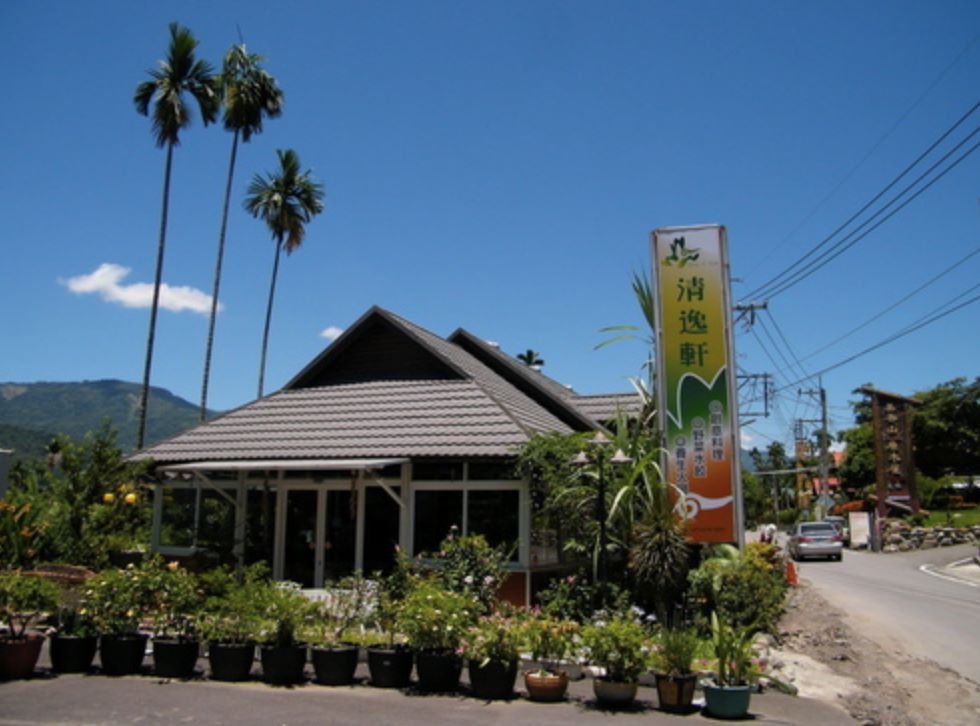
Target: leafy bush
175 601
282 611
232 608
23 598
574 597
469 565
743 590
550 640
433 618
344 606
118 599
733 652
620 646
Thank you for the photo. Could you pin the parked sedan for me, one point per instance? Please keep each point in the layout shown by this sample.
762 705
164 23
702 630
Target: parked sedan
842 527
816 539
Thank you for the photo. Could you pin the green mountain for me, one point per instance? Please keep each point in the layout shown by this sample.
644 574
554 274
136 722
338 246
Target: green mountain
28 411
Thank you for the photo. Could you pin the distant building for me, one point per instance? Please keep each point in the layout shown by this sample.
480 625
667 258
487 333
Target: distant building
389 437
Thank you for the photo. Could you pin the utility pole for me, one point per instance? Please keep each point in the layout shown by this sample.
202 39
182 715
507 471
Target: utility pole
821 394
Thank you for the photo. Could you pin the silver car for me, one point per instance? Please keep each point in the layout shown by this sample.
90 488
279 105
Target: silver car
816 539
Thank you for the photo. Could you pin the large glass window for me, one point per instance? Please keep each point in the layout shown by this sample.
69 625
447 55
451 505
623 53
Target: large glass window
260 525
496 515
177 517
381 526
216 523
435 513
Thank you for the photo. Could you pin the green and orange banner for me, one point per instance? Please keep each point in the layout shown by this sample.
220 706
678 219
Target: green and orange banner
696 385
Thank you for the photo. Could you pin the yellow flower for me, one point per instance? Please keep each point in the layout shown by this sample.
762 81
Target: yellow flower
173 565
130 613
25 532
108 497
130 498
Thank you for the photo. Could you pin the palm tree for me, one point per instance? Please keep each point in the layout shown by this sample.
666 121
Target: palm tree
530 358
286 200
249 94
179 74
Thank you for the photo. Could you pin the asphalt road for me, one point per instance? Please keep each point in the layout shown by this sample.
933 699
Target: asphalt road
892 601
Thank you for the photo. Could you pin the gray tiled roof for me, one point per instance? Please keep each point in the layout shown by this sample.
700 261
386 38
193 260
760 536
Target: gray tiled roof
380 418
605 407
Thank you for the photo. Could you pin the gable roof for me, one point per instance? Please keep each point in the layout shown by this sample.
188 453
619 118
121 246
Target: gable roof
388 387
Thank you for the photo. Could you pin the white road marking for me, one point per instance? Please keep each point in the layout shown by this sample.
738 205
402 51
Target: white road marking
929 571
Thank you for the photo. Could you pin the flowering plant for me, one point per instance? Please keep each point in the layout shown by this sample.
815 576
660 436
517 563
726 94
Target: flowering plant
232 612
433 618
620 646
469 565
678 648
495 637
549 640
118 599
174 599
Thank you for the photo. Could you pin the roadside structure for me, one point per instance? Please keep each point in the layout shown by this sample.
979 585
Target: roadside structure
390 437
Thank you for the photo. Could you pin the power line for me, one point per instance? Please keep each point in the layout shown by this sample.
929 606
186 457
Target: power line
840 247
931 318
901 119
777 279
895 304
779 332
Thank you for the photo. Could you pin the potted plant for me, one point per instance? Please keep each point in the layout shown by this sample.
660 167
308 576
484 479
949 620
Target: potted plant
550 641
74 642
332 620
492 648
434 620
23 598
729 695
176 598
117 600
389 658
674 673
230 619
620 647
285 609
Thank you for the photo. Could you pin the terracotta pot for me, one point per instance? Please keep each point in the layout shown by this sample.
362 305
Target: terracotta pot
614 693
546 686
18 656
675 693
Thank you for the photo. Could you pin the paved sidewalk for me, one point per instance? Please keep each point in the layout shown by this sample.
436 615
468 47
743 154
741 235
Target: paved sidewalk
96 699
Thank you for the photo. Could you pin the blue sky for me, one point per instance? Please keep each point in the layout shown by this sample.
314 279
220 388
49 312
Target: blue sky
497 166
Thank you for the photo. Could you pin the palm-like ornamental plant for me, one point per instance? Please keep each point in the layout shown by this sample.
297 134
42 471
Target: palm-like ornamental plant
249 94
180 74
286 200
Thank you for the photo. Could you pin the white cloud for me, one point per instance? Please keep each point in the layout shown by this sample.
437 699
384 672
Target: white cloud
747 439
106 281
331 333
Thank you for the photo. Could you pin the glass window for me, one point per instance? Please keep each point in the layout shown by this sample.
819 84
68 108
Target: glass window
177 521
437 471
216 524
260 525
495 515
435 513
492 471
382 516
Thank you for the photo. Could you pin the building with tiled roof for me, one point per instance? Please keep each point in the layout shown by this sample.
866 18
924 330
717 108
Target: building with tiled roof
391 436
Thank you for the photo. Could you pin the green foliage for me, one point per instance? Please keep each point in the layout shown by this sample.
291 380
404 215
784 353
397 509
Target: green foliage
433 618
678 649
757 501
621 646
575 597
946 428
857 470
24 539
494 638
26 443
746 591
119 599
232 610
282 611
23 598
733 652
546 462
470 566
75 622
176 599
339 612
659 559
550 640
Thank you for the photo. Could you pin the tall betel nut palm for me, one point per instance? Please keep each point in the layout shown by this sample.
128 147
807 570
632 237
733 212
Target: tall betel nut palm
248 94
286 200
179 75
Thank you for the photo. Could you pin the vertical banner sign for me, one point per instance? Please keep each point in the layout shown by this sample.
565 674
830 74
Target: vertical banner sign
695 378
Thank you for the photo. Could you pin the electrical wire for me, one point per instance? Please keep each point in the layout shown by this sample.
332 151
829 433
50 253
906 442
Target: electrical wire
777 279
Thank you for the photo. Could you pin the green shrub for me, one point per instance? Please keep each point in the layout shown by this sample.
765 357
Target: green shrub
494 638
620 646
232 606
23 598
550 640
469 565
333 618
433 618
677 651
744 591
119 599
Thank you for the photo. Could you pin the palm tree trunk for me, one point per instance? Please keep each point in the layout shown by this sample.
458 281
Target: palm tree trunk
268 318
217 280
144 394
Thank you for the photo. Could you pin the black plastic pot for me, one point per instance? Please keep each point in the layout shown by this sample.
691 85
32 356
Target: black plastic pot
390 667
335 666
122 655
283 664
231 661
492 681
72 653
175 658
438 670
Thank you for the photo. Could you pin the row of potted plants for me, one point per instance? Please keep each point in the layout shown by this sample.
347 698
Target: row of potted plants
405 620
